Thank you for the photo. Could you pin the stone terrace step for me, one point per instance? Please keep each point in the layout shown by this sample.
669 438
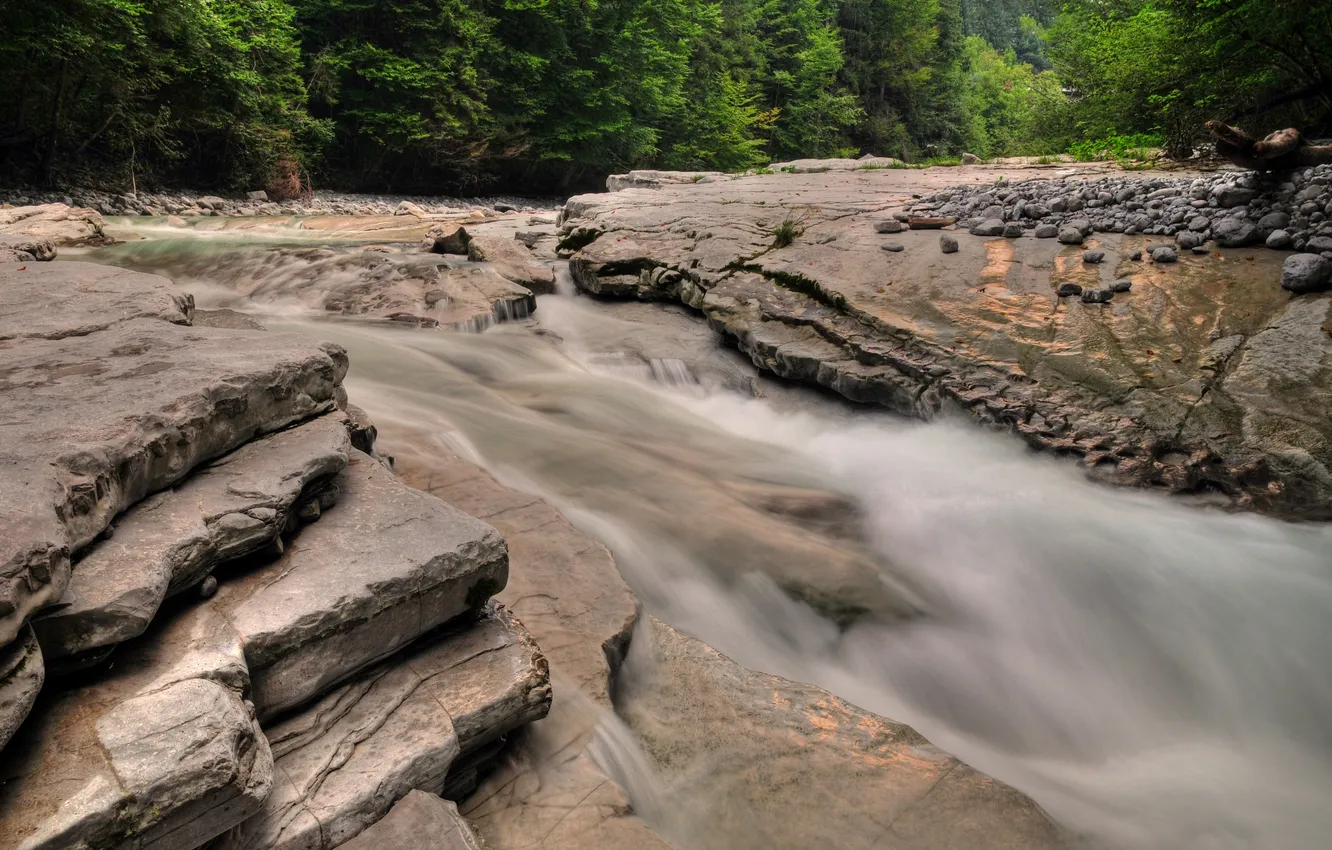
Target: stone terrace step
344 760
382 567
230 508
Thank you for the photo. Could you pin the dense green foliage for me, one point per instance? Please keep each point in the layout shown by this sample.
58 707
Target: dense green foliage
537 94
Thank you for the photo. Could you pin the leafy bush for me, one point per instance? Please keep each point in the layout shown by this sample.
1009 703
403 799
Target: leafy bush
1132 147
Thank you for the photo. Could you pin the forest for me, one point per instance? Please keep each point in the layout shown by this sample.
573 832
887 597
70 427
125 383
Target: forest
549 95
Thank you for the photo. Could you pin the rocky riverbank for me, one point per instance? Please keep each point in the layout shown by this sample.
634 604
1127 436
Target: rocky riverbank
191 204
1201 376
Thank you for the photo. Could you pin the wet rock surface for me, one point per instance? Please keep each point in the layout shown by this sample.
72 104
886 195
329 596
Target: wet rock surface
1139 390
760 762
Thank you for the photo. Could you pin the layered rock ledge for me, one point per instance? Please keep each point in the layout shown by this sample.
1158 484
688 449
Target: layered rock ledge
1203 376
202 556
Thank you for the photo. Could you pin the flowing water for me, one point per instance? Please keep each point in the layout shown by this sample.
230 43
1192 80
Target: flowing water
1156 675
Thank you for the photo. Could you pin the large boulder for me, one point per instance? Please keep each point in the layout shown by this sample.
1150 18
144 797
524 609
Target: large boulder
1302 273
513 261
1234 233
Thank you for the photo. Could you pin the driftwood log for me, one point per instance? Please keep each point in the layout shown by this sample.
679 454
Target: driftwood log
1282 151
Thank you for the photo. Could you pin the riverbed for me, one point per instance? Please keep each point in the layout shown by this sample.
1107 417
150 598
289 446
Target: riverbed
1151 672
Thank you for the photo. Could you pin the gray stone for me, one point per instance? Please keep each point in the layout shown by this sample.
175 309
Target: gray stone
419 821
1122 285
970 159
446 238
1303 273
1093 257
1070 236
233 507
344 760
1097 296
1278 239
1234 233
890 225
99 421
894 247
345 593
1046 231
1135 256
22 673
163 752
257 195
1273 221
1013 230
1164 254
1187 240
988 227
1229 195
212 202
1067 290
1318 244
948 244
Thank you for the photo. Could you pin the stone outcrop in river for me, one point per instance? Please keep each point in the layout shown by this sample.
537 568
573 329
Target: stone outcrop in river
297 638
1200 375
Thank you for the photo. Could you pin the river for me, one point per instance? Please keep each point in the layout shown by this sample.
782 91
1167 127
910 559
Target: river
1153 673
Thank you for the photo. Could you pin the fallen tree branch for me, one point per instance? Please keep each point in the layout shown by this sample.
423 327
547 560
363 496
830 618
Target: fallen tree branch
1283 150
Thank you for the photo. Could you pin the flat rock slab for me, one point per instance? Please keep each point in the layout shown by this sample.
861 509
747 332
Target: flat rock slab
22 673
793 759
95 423
419 821
58 223
230 508
56 300
344 760
382 567
1139 389
163 752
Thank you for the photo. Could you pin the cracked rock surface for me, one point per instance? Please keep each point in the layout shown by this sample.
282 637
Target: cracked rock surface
344 760
1162 386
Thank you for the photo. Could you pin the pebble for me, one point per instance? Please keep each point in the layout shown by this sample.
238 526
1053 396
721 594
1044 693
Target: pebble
1096 296
891 225
895 247
208 588
1121 285
1093 257
1067 290
948 244
1135 256
1164 254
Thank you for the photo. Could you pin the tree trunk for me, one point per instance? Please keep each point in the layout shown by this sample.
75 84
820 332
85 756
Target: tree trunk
1283 150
